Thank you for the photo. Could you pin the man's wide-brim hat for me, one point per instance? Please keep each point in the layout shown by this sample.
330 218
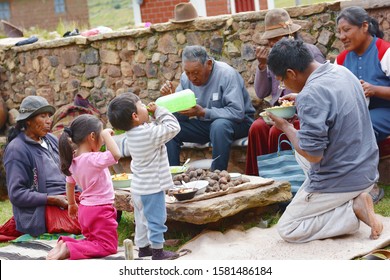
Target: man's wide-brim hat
32 106
278 23
184 12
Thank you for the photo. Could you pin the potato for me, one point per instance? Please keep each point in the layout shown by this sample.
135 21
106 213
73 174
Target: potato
230 185
245 180
186 178
199 171
237 182
190 169
224 187
193 174
212 182
224 173
223 180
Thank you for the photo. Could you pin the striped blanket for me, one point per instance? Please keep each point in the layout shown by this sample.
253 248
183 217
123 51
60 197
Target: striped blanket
38 250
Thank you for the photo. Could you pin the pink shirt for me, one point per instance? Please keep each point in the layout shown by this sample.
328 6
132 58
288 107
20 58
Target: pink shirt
90 172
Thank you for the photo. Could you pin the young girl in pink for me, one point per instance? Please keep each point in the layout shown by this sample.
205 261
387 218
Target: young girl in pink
85 166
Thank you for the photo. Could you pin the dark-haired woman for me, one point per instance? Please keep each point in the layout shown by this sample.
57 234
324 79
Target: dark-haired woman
367 56
84 164
36 186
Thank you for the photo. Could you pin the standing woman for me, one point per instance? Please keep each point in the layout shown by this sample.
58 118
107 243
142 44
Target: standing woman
36 186
367 56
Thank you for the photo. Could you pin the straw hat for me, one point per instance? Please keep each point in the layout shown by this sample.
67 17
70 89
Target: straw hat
278 23
184 12
32 106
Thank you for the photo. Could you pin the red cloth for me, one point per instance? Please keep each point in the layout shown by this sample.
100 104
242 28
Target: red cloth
57 221
384 148
8 231
262 140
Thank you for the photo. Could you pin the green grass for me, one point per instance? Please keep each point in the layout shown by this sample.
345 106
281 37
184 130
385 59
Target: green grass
383 207
5 214
115 14
291 3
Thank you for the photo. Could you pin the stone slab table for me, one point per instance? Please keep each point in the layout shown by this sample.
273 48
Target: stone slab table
214 209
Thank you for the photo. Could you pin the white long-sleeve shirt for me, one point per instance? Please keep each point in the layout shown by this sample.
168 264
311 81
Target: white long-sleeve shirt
146 144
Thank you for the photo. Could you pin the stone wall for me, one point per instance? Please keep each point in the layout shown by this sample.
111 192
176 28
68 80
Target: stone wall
140 60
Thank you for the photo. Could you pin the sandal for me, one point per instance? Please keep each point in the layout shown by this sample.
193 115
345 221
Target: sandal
377 197
380 254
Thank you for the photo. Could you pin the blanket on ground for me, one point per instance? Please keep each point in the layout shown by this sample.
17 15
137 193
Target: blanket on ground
266 244
255 243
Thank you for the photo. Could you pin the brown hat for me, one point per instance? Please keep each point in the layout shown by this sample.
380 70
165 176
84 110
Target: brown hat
278 23
184 12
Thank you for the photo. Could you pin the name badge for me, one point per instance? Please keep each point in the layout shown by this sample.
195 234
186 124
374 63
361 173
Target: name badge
215 96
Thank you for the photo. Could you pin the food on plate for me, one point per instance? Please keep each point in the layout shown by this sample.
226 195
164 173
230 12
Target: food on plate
183 190
286 110
177 169
287 103
184 193
120 177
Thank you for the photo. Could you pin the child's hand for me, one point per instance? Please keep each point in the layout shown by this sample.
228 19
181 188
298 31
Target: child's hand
152 107
167 88
289 97
109 131
72 210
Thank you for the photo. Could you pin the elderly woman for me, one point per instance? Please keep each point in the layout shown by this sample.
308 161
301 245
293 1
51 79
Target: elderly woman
36 186
367 56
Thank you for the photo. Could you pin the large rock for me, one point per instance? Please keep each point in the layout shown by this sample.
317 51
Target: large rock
214 209
123 200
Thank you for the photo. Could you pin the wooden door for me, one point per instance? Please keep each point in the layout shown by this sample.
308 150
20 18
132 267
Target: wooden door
244 5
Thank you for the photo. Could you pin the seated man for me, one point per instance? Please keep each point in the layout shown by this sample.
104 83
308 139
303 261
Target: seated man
223 112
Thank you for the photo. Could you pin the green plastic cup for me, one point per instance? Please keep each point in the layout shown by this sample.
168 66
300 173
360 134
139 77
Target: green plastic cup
178 101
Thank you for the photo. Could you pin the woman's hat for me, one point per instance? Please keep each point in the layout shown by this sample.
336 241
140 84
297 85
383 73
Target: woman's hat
278 23
34 105
184 12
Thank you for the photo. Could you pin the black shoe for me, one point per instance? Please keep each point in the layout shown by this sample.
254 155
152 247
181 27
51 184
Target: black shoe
145 252
75 32
160 254
30 40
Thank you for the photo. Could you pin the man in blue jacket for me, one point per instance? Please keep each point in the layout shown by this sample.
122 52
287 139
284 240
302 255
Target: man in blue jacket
223 112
